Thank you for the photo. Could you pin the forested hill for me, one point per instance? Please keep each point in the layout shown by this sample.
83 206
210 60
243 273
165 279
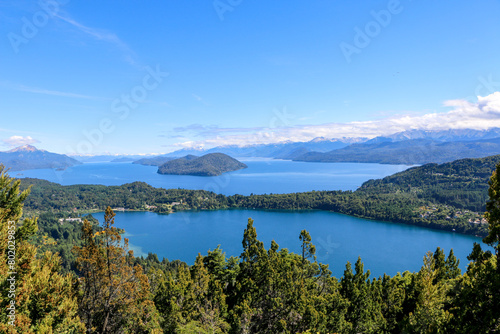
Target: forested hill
461 183
211 164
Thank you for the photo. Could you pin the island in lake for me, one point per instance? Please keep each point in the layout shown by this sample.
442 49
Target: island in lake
211 164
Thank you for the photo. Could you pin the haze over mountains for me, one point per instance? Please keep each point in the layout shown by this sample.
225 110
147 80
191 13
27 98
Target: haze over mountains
409 147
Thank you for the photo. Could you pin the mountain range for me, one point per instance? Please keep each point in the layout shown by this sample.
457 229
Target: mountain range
408 152
284 150
408 147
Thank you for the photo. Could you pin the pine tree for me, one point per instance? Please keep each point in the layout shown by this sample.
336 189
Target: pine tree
114 296
43 300
429 315
476 305
208 303
364 312
493 214
173 298
308 249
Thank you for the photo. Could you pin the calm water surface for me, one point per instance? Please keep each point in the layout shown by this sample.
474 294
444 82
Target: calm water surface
261 176
384 247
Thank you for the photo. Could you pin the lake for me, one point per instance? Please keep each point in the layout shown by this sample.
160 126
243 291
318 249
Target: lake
263 176
384 247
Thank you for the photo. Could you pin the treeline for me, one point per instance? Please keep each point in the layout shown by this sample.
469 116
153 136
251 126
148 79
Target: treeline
51 197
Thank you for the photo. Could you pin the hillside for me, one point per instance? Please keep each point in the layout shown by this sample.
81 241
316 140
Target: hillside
461 183
212 164
409 152
29 157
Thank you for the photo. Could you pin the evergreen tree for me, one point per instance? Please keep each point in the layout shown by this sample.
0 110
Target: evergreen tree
493 214
114 296
429 315
308 249
477 300
172 299
364 312
35 298
476 306
452 268
209 301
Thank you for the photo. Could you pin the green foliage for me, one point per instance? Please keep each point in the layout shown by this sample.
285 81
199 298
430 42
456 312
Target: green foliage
113 295
476 302
40 297
493 214
429 315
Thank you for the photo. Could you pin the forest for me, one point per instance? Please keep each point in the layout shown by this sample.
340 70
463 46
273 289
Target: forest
106 289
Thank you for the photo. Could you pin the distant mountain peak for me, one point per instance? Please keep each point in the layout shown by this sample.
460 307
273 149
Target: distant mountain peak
319 139
25 148
29 157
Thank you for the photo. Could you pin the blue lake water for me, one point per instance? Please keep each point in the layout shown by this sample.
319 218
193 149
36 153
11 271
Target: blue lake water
384 247
261 176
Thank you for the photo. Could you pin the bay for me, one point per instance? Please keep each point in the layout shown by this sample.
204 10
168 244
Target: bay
383 247
263 176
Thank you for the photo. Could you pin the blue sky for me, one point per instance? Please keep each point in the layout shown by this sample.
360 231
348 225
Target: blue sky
94 77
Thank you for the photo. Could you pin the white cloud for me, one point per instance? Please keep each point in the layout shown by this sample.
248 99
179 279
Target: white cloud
15 141
482 115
